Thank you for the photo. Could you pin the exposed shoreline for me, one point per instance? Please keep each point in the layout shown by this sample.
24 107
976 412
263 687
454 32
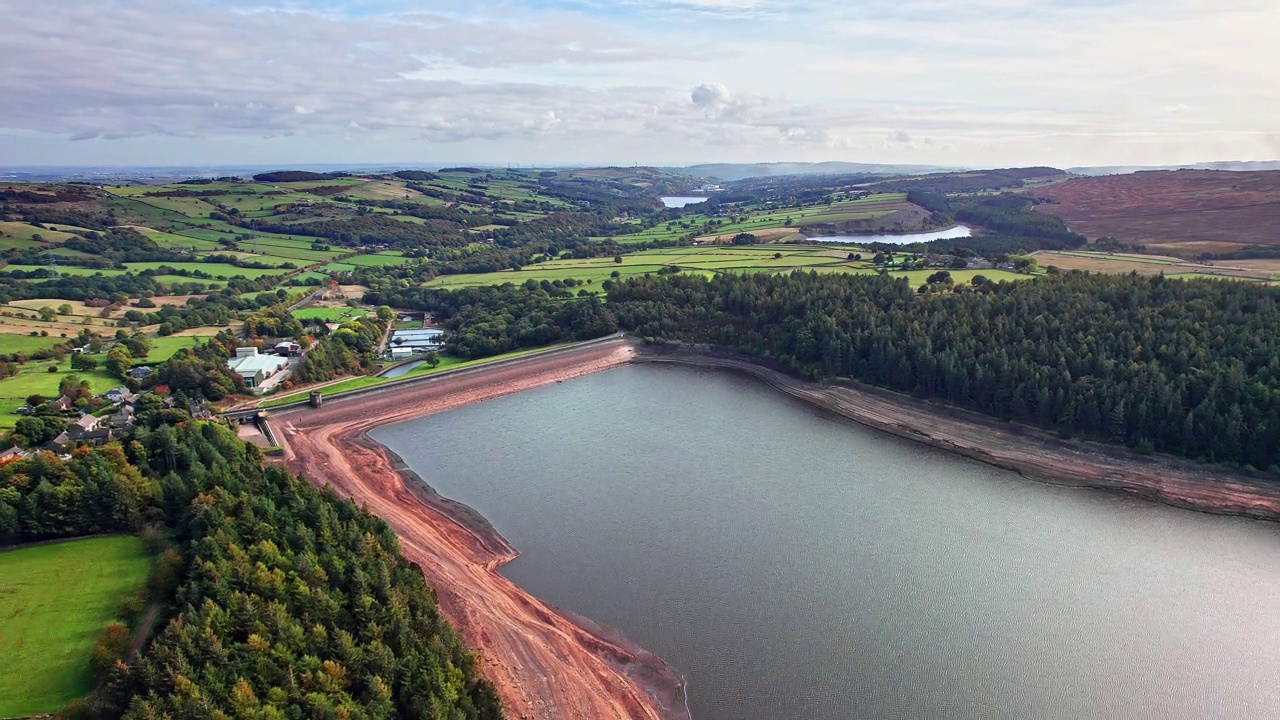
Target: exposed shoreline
1028 451
544 662
548 663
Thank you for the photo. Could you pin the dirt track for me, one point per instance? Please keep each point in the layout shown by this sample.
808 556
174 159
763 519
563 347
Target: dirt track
544 664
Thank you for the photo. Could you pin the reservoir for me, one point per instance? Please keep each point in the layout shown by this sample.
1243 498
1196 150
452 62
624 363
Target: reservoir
959 231
678 201
792 564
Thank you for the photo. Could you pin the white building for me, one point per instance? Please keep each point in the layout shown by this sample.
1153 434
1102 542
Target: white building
256 369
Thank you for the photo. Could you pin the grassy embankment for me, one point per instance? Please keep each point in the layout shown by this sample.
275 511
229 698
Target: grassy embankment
447 362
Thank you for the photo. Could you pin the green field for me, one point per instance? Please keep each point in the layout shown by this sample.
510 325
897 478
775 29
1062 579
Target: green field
382 259
23 231
705 260
25 343
55 600
329 314
221 271
163 348
34 378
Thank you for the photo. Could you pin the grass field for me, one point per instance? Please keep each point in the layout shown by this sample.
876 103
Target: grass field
329 314
163 348
706 260
25 343
34 378
55 600
221 271
23 231
382 259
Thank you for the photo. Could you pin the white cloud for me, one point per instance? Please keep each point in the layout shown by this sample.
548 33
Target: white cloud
974 82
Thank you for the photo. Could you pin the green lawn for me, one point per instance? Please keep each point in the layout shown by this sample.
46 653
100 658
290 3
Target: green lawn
330 314
55 600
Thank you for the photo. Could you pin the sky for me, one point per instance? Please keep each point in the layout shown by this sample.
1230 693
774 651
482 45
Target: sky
656 82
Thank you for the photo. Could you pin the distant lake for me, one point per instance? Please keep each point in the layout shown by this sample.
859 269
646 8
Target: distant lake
796 566
677 201
958 231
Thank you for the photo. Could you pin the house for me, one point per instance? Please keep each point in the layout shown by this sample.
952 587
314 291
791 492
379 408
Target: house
118 395
13 454
140 372
256 369
62 403
123 418
199 410
61 443
288 348
86 423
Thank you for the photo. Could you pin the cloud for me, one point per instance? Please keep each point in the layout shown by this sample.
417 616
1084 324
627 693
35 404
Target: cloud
971 82
709 95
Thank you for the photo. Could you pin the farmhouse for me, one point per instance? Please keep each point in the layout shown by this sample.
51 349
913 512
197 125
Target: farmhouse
256 369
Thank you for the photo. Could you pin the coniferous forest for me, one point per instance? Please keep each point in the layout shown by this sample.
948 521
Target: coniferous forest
282 600
1188 368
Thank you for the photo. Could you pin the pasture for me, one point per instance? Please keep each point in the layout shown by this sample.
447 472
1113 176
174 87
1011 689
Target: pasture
329 314
56 600
706 260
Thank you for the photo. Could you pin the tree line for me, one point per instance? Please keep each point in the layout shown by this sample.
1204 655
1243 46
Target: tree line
1188 368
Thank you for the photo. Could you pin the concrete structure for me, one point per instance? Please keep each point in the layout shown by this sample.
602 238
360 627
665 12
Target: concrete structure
405 343
256 369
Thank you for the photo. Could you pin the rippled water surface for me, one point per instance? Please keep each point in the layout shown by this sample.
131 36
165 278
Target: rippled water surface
794 565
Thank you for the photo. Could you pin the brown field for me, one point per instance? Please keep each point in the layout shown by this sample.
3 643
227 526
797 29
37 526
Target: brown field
762 235
1143 265
1184 212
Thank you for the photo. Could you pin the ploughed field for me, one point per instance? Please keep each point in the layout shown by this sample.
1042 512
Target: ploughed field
1184 211
55 600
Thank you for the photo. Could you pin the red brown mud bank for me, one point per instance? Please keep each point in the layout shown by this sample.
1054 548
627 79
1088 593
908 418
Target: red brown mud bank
543 663
1031 453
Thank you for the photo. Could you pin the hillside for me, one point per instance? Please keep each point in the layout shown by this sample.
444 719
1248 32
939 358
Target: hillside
1185 212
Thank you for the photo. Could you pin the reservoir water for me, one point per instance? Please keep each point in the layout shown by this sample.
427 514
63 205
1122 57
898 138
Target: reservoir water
959 231
795 565
678 201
